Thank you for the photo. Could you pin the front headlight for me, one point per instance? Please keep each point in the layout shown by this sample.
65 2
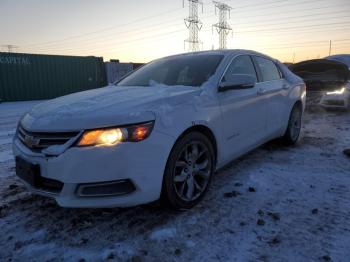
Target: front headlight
337 92
115 135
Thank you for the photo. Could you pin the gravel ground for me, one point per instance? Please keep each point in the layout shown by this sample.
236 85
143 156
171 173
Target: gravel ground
274 204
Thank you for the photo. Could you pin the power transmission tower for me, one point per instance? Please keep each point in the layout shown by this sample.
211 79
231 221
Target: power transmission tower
10 48
223 28
193 24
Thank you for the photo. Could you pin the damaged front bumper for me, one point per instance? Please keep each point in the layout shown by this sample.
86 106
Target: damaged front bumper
126 174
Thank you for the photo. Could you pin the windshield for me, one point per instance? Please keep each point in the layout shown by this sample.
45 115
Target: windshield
187 70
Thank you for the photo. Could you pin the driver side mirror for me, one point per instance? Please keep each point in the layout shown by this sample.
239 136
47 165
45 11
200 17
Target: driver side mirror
237 81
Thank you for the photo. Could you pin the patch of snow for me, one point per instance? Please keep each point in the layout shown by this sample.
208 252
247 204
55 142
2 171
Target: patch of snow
6 156
119 250
299 210
9 133
4 141
36 250
163 234
190 244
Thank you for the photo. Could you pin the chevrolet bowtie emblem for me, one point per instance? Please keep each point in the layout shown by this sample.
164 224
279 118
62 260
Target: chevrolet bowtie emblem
31 141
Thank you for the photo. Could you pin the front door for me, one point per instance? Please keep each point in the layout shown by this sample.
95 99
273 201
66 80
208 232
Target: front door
243 110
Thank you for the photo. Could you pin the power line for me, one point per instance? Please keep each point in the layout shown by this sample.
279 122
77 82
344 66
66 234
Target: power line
287 23
293 44
279 13
300 30
133 22
54 43
266 31
299 16
113 37
167 25
157 25
108 28
150 37
290 28
283 5
260 4
160 36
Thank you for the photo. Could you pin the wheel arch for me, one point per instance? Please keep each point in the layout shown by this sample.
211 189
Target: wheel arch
297 103
206 131
203 130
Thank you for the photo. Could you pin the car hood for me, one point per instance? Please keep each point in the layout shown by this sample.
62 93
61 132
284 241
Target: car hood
321 69
343 58
321 74
107 106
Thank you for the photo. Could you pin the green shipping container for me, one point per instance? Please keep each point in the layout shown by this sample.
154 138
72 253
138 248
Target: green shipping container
35 77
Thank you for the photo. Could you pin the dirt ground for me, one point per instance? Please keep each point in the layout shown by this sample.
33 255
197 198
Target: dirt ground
274 204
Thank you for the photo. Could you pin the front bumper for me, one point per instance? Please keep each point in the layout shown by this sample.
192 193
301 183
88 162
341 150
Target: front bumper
142 163
336 101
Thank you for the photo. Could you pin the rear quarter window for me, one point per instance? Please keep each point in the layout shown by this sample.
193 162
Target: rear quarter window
268 69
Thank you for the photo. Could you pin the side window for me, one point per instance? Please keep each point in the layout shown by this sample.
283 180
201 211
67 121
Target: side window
268 69
241 65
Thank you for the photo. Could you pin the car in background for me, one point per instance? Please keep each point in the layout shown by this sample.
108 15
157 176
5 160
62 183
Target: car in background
341 96
338 99
159 133
343 58
327 82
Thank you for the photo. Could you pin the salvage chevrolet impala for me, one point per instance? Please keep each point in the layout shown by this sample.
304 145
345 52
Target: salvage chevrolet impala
159 133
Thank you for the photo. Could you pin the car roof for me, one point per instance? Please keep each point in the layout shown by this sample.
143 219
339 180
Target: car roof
224 52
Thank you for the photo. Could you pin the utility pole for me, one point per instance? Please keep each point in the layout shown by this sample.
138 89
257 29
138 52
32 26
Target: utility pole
293 57
193 24
330 47
222 27
10 48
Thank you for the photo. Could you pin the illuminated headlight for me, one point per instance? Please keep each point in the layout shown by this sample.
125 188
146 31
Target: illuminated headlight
114 135
337 92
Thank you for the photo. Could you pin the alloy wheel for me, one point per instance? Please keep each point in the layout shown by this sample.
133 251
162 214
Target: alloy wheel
192 171
295 124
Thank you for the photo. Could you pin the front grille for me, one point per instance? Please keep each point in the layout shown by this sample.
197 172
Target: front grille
334 102
37 141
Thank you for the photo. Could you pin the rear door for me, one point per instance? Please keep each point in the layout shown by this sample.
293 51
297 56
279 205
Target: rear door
273 87
244 111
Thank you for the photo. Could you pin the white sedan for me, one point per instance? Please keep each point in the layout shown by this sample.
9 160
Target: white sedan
159 133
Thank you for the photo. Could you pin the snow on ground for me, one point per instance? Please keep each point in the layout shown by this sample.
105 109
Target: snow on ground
10 113
274 204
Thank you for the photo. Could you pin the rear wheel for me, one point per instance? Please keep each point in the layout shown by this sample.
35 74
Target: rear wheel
294 126
188 171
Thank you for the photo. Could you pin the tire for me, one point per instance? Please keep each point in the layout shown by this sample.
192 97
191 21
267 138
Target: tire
188 171
293 131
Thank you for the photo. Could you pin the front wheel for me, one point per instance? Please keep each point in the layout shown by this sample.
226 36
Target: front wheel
188 171
294 126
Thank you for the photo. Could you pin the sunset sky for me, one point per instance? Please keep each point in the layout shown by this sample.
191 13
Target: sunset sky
142 30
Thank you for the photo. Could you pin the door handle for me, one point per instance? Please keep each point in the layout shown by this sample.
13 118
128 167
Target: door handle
285 86
261 91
